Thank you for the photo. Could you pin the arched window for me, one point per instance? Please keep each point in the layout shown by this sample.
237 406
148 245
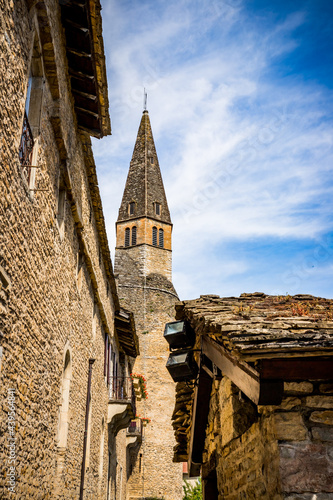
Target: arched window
64 408
134 235
161 238
127 237
155 236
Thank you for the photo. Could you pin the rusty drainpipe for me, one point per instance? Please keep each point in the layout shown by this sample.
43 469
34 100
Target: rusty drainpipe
83 468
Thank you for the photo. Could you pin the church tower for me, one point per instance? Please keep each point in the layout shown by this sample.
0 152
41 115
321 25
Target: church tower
143 270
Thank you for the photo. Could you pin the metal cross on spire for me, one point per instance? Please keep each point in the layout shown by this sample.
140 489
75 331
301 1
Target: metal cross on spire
144 100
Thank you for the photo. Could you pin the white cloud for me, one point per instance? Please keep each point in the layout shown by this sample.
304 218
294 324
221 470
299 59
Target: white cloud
244 153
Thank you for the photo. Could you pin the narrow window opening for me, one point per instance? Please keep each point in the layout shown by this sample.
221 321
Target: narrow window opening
32 116
61 210
157 208
131 208
127 237
152 160
161 238
134 235
155 236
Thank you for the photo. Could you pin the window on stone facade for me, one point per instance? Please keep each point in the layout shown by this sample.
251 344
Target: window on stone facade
64 407
127 237
161 238
152 160
157 208
131 208
134 235
32 116
61 209
154 238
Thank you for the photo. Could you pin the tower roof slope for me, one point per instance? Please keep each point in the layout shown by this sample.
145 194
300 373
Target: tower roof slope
144 184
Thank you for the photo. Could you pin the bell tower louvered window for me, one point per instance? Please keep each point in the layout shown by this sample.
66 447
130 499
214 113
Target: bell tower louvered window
131 208
157 208
155 236
134 235
161 238
127 237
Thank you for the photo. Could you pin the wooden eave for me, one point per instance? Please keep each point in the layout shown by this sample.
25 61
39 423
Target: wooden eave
86 64
125 329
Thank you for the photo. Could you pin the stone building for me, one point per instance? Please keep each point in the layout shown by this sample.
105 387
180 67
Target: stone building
67 345
258 421
143 273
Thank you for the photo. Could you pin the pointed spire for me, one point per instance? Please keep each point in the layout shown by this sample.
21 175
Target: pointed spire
144 186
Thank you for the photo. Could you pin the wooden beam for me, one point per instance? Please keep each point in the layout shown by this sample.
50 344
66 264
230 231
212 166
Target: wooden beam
199 422
246 378
297 368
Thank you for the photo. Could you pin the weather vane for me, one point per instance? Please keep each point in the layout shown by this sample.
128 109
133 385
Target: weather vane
144 99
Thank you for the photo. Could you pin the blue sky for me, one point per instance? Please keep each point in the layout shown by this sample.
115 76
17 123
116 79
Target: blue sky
240 101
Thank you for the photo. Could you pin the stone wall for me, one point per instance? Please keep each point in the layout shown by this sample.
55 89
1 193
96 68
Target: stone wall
271 452
48 302
142 261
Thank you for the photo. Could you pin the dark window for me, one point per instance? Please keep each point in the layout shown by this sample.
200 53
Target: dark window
152 160
131 208
157 208
155 236
61 210
127 237
26 148
161 238
134 235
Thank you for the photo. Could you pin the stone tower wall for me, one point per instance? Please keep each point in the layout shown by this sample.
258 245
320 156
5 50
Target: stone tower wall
131 264
152 299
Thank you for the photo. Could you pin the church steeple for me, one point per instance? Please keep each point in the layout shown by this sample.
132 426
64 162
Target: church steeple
144 194
144 217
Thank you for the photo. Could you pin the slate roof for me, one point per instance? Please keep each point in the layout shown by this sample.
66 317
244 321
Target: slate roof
256 325
144 184
252 327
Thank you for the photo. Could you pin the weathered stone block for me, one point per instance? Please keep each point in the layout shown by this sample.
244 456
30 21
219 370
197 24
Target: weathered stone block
290 427
322 417
298 387
319 401
326 388
322 434
307 470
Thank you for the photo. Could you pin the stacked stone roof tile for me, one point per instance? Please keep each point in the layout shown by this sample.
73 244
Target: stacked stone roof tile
251 327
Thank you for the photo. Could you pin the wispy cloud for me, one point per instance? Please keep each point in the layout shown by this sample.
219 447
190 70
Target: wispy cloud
244 142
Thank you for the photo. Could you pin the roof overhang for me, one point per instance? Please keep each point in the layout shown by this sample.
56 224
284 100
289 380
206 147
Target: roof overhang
125 328
263 385
82 24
